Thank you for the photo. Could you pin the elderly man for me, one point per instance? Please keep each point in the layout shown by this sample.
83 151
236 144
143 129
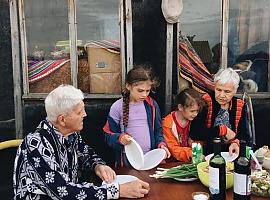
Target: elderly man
48 160
223 116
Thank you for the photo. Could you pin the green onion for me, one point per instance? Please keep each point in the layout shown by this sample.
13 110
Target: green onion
181 171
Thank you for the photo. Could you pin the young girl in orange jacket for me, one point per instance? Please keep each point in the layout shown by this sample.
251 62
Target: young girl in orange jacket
176 125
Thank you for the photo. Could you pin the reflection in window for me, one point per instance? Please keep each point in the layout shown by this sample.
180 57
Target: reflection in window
199 44
99 61
248 50
47 39
202 26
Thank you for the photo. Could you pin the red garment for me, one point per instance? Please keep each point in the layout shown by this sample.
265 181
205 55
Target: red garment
183 132
179 151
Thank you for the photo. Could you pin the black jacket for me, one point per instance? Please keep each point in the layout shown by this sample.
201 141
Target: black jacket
202 126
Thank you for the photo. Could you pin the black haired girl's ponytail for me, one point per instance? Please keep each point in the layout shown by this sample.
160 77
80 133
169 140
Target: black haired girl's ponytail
125 94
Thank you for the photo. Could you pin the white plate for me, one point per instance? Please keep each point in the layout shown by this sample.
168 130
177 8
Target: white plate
122 179
134 154
186 179
139 161
225 155
153 158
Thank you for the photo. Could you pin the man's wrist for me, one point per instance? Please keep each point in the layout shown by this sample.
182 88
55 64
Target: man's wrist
97 164
113 191
96 167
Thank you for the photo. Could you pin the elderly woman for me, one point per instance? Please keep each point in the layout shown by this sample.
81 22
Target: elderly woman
223 116
48 160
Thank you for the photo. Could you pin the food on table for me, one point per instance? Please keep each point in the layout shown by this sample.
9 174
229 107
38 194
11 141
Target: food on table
263 152
263 156
260 183
266 163
181 171
204 175
229 168
267 152
200 196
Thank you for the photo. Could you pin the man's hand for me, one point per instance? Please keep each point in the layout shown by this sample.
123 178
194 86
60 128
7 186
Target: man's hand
105 173
168 153
125 139
234 148
134 189
229 136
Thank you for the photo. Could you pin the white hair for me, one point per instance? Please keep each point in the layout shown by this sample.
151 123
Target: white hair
62 100
227 75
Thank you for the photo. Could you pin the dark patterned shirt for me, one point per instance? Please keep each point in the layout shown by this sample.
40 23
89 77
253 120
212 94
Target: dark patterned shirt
47 164
223 118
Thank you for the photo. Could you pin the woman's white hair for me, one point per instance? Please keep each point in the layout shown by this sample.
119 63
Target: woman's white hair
227 75
62 100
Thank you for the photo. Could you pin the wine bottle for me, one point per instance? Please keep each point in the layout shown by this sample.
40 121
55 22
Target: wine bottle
241 176
217 173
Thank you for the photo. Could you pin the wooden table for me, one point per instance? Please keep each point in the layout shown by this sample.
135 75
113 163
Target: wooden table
169 189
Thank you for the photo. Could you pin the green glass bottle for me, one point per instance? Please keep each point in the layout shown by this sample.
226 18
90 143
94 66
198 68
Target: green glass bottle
241 176
217 173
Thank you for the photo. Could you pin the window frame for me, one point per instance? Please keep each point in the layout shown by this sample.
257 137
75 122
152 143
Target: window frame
225 7
72 21
19 54
224 30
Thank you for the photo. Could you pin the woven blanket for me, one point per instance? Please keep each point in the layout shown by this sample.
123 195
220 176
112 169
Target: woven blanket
110 45
192 68
38 70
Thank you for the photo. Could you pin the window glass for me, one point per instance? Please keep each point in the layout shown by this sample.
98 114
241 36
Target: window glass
47 40
201 25
99 66
248 45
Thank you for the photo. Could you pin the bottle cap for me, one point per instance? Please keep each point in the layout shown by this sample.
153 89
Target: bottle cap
248 152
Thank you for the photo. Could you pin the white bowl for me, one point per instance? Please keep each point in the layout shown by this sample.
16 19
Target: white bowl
227 157
266 163
139 161
134 154
121 179
153 158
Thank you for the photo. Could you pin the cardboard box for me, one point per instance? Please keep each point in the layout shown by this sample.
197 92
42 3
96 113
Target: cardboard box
102 60
104 69
108 83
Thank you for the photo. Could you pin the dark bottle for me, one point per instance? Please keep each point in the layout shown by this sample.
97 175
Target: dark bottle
217 173
241 175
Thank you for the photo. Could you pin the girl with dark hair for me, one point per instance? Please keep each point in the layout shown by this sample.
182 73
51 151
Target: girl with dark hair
136 116
176 125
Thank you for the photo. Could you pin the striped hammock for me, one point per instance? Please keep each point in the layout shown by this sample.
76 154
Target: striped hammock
192 68
38 70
